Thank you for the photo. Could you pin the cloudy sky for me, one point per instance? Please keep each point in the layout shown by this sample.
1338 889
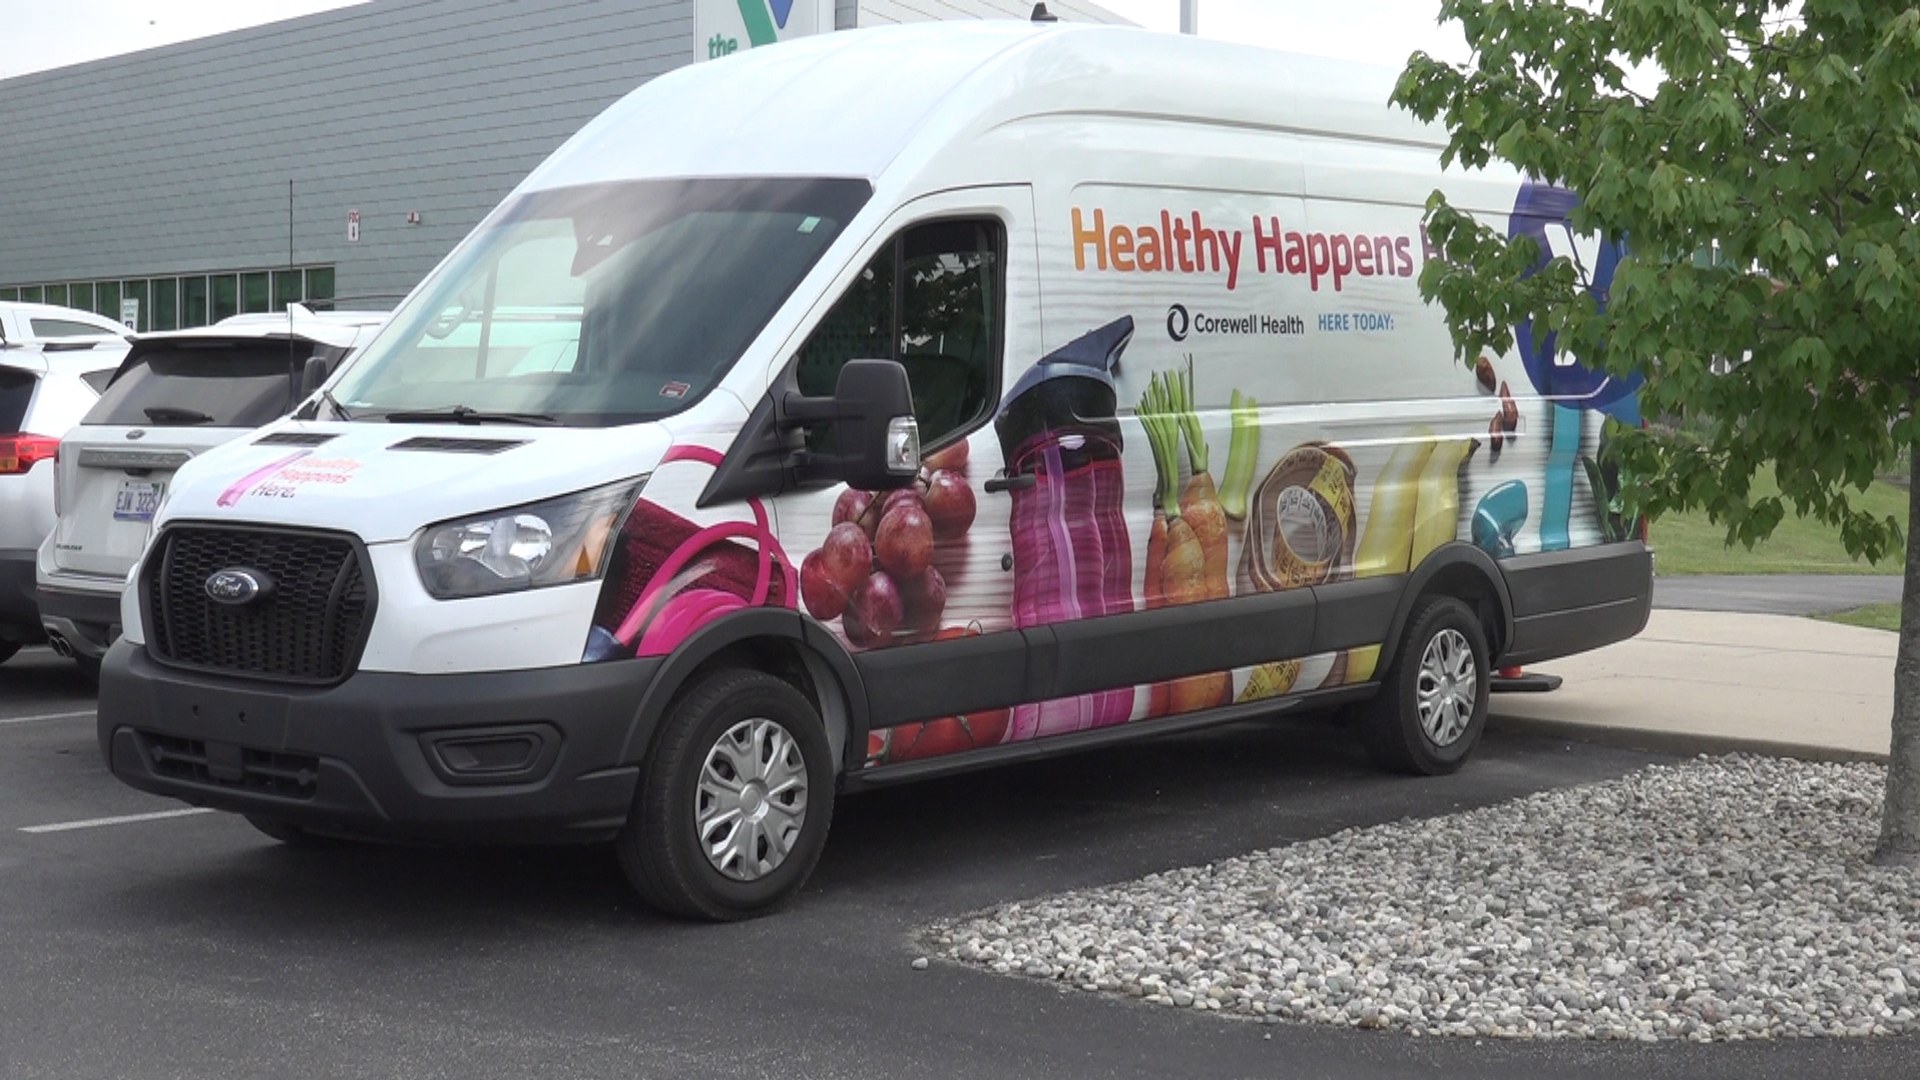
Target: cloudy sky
41 34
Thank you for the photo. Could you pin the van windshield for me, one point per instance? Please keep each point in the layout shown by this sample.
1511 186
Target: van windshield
599 305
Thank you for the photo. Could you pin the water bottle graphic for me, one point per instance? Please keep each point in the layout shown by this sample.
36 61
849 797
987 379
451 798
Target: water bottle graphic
1071 555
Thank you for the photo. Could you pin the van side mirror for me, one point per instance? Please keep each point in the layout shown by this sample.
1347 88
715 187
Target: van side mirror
876 440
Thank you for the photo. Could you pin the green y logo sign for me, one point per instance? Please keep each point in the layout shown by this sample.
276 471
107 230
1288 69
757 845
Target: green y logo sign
761 17
721 24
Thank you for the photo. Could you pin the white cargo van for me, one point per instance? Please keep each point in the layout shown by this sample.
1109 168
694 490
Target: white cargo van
873 406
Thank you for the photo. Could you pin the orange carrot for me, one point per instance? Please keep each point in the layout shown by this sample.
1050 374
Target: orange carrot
1200 692
1183 568
1199 502
1200 509
1177 564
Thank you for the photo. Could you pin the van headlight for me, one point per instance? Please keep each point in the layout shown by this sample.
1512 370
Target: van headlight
524 547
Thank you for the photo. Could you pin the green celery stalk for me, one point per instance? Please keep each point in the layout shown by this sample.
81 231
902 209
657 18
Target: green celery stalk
1243 451
1190 420
1163 437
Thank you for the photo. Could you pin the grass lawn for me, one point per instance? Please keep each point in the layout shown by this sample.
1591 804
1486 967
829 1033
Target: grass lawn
1690 544
1873 616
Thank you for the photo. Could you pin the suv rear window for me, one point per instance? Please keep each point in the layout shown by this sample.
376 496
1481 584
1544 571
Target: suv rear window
16 391
220 384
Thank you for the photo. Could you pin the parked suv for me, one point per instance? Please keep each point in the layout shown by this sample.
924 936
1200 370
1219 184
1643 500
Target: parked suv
176 395
53 363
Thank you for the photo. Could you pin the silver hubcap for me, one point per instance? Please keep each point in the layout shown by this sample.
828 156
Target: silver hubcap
1448 683
752 799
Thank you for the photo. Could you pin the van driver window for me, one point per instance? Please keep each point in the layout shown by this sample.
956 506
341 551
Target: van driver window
930 300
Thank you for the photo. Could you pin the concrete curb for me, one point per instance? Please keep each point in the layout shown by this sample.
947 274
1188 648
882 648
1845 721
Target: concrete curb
1686 744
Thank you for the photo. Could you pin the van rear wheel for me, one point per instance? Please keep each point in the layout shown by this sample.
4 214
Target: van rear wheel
734 803
1432 704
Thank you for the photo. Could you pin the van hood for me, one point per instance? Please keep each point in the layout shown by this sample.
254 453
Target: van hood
384 482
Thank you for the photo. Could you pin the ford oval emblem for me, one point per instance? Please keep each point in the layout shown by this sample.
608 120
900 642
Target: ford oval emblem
237 587
136 433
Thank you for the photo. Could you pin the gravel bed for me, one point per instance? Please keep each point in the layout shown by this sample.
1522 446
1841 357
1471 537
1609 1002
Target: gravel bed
1723 898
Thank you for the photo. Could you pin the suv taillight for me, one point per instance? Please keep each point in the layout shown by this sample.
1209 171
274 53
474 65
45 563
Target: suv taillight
18 453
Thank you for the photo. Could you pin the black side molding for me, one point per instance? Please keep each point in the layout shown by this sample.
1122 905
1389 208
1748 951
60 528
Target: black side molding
920 682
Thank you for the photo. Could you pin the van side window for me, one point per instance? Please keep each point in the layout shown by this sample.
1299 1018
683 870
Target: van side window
930 300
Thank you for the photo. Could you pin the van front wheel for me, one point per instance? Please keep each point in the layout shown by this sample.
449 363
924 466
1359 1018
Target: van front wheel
1432 704
734 803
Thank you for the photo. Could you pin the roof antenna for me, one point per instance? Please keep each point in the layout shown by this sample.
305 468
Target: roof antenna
1042 15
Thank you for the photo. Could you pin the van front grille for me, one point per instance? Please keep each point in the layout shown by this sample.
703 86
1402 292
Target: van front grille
306 625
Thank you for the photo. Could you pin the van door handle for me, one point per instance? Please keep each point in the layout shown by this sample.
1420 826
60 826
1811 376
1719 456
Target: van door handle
1003 482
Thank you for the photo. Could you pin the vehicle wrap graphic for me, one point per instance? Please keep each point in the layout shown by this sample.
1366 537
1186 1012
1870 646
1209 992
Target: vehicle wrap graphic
669 576
1321 434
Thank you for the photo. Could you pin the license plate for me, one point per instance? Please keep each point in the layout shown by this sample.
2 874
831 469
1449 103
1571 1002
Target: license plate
137 500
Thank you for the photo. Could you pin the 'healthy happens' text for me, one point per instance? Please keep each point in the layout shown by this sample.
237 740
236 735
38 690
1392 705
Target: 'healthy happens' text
1187 245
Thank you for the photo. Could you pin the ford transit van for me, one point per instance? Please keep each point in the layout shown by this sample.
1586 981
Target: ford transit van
873 406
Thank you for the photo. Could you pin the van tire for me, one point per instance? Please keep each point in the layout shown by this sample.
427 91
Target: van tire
89 668
1443 639
661 849
7 649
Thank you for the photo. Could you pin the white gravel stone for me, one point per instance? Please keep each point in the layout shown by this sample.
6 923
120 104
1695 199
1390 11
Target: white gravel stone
1725 898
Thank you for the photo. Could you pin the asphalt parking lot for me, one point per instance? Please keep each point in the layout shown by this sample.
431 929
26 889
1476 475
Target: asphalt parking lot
191 946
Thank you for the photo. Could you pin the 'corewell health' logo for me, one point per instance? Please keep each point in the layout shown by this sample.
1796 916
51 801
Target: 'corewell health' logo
1181 323
724 27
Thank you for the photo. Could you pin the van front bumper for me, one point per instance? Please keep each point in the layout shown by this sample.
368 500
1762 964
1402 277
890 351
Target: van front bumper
540 756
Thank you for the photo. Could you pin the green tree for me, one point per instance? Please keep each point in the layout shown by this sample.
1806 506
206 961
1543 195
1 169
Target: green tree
1787 136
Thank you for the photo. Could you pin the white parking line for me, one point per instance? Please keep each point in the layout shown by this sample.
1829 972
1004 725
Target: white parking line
48 716
128 819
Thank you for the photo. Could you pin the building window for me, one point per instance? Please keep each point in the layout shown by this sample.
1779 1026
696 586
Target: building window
254 294
193 302
289 287
136 291
106 299
320 285
170 303
166 304
225 294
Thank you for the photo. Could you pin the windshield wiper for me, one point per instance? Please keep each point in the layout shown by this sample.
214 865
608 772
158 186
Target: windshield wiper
339 410
462 414
172 414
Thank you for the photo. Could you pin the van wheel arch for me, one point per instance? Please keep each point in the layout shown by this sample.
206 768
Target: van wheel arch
1467 574
780 642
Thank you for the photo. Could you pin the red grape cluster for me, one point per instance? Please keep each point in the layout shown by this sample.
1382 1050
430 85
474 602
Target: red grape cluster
875 571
